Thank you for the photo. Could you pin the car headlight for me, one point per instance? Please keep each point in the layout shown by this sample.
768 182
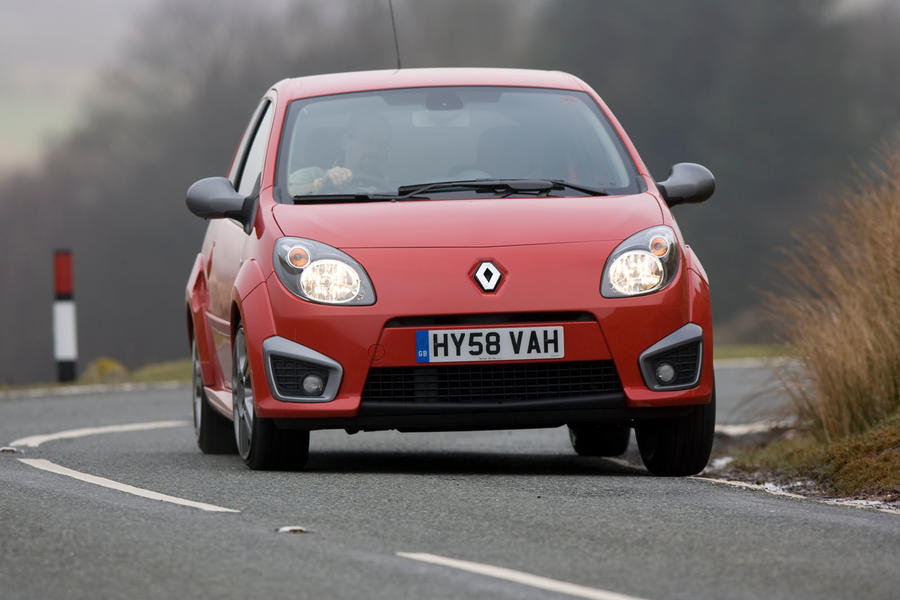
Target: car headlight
644 263
319 273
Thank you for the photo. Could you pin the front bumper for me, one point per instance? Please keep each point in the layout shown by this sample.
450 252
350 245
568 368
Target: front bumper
354 342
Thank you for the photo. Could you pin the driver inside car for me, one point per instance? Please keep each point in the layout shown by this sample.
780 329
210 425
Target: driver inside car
364 149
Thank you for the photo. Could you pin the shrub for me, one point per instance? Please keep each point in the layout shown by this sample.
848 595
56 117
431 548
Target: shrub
104 370
841 312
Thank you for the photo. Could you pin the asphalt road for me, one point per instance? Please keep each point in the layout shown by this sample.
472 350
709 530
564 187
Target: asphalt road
381 509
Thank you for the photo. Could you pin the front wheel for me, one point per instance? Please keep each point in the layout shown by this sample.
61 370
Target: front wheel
260 444
678 446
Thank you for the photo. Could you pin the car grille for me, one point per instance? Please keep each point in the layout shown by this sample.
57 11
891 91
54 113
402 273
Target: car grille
491 383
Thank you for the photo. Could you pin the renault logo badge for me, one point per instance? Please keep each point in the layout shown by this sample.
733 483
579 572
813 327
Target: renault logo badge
488 276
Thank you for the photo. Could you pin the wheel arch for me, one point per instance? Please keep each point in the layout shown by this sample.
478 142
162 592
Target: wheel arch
196 305
251 307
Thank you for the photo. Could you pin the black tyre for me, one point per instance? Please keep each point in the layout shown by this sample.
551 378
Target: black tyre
214 432
678 446
259 442
599 439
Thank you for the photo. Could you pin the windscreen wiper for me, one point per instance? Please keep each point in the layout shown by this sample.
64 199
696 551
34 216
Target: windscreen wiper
497 186
559 184
342 198
506 187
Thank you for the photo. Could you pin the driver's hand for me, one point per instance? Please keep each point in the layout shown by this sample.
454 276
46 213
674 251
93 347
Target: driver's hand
338 176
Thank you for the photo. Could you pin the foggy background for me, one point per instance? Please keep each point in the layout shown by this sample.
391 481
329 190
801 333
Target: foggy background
109 110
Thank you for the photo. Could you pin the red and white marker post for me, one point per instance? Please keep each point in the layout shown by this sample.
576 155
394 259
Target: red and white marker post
65 333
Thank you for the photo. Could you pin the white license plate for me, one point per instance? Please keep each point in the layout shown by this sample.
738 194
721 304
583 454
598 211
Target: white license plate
499 343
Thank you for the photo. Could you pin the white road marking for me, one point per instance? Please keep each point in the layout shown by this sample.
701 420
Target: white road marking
776 491
46 465
528 579
747 428
770 488
36 440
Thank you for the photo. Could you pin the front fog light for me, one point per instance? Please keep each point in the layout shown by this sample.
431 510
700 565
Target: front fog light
330 281
313 385
665 373
636 272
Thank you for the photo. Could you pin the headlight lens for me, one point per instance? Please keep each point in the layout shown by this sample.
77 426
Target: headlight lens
635 272
330 281
644 263
319 273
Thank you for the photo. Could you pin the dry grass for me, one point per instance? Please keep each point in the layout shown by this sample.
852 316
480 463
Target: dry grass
175 370
841 315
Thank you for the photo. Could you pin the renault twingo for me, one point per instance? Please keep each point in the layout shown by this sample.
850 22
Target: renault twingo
447 249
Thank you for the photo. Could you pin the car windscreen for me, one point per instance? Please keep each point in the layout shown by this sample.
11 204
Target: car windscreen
373 143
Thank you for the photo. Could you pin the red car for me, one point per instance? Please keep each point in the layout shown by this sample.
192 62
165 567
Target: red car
447 249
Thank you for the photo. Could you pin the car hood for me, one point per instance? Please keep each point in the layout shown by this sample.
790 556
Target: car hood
469 223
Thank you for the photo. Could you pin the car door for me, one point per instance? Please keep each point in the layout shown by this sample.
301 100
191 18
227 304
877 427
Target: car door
228 237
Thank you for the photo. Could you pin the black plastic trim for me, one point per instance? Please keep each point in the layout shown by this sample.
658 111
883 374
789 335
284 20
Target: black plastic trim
423 408
279 346
486 421
688 334
488 319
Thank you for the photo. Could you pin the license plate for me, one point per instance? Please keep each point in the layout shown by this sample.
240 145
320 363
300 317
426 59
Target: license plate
499 343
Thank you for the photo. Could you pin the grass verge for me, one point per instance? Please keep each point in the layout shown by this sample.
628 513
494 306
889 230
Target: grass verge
106 370
837 310
863 465
173 370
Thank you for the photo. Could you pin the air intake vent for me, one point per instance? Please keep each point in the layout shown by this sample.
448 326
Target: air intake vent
486 383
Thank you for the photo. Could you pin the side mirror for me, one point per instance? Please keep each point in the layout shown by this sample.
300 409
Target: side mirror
215 198
687 183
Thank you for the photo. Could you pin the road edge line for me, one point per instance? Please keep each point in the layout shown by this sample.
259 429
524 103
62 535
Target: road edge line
779 492
520 577
33 441
49 466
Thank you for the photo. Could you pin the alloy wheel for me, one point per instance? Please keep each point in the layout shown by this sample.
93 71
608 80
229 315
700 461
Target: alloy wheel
242 395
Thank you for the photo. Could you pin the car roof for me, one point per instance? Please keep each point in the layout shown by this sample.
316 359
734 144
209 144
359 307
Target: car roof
337 83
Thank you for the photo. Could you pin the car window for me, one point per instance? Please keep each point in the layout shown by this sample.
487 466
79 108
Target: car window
237 163
254 161
400 137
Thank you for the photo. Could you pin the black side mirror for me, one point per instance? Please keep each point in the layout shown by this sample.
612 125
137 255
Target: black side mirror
215 198
687 183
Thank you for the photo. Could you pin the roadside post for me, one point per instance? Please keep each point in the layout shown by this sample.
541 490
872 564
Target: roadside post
65 334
